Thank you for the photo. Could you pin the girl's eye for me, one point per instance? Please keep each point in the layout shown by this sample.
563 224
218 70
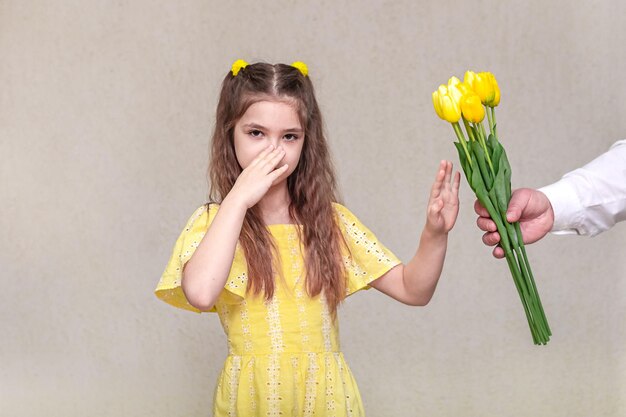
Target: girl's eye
290 137
255 133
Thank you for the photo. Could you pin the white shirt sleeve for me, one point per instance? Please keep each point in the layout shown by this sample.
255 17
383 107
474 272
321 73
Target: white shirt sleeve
591 199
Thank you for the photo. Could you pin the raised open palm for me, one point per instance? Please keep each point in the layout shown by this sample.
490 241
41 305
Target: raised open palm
443 205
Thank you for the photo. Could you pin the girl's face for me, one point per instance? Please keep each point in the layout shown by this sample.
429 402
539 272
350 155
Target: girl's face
269 123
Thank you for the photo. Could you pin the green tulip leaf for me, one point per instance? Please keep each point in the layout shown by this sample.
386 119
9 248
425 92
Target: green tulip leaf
467 169
482 164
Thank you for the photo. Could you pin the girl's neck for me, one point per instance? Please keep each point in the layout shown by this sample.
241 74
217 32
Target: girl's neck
274 205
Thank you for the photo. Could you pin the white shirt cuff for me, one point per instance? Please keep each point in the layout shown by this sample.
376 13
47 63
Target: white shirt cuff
568 210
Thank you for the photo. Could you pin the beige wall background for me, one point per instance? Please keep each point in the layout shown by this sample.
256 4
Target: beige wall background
106 109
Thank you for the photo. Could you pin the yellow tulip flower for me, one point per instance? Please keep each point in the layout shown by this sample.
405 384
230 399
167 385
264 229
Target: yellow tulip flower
446 107
482 85
453 81
458 89
437 102
494 84
472 108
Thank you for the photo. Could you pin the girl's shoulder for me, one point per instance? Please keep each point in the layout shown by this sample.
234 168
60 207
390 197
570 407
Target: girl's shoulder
338 206
201 218
367 258
207 209
344 215
340 209
211 209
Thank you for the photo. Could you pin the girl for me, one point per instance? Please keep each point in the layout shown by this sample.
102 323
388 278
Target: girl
278 254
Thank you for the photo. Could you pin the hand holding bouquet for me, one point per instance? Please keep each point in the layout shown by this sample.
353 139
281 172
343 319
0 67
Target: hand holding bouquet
488 173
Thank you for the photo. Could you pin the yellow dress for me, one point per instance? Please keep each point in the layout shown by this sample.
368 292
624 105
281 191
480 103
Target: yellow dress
283 356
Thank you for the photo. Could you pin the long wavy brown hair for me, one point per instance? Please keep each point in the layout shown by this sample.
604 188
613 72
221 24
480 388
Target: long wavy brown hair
312 186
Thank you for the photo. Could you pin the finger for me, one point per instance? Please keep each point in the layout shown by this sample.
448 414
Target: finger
262 155
491 238
448 175
480 210
278 172
456 183
436 189
498 252
436 207
270 161
273 158
519 201
434 211
486 224
447 180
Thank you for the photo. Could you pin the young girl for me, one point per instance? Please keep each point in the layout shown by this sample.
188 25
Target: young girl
278 254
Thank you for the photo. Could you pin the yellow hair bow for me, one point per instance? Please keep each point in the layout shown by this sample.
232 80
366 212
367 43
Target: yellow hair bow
238 65
301 67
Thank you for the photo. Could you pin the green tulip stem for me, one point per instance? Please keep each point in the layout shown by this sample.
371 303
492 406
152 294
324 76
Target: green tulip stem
518 267
470 130
493 118
532 278
531 296
459 134
527 282
514 265
489 116
480 132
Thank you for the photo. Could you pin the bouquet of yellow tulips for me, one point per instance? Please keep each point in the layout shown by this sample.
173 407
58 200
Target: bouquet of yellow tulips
488 173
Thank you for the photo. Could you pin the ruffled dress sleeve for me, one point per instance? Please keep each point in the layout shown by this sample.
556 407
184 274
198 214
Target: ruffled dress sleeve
169 287
367 259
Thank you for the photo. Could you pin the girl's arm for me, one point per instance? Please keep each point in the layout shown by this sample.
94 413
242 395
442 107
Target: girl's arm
205 274
415 283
